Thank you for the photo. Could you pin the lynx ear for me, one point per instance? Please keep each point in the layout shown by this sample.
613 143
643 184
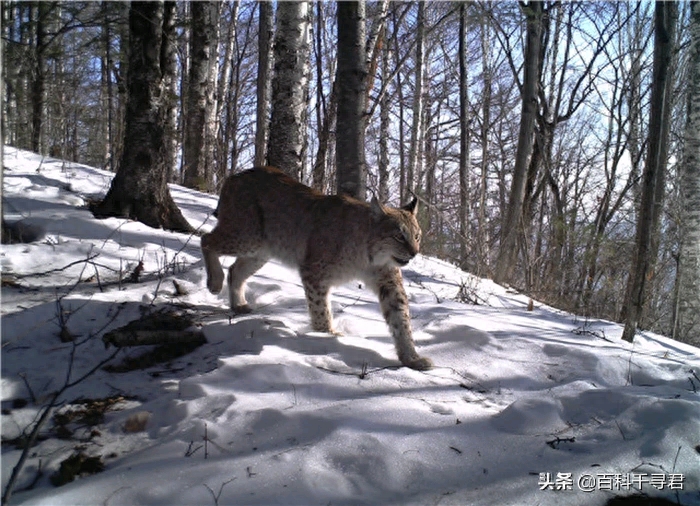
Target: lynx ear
377 208
412 206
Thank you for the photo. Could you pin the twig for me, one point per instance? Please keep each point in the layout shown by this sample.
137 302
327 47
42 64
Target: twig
675 460
191 451
29 388
58 269
206 441
217 496
621 432
554 443
163 273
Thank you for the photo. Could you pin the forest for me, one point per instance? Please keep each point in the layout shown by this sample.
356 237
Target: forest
554 146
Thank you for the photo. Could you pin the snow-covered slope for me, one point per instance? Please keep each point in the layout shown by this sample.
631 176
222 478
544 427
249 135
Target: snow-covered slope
268 412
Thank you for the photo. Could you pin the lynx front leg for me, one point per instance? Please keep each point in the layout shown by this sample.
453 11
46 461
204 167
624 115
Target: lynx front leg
238 273
394 304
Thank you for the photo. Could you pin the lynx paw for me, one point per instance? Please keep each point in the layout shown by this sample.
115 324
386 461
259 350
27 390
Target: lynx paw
215 282
418 363
242 309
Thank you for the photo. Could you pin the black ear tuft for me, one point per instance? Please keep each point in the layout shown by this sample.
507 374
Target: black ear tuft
412 206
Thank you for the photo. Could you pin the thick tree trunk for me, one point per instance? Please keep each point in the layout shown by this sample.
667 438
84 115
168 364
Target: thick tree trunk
351 79
139 190
197 153
687 323
290 88
660 184
510 226
665 20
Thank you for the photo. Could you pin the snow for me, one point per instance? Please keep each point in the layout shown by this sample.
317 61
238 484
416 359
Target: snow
268 412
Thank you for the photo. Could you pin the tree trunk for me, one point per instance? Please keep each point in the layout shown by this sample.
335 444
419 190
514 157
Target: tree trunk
169 63
664 21
106 88
482 236
324 139
39 77
687 323
464 158
384 124
510 226
262 123
290 88
373 51
351 78
417 129
121 74
222 93
399 91
660 184
323 113
139 190
198 158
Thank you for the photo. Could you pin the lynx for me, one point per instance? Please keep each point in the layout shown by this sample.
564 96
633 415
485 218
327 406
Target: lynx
264 214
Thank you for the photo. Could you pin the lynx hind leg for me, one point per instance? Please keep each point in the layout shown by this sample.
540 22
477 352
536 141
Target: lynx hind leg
238 273
215 273
237 233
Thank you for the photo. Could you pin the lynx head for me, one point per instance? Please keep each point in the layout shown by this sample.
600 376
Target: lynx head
396 234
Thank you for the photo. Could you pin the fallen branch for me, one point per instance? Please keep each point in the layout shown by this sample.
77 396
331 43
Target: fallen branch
159 328
121 338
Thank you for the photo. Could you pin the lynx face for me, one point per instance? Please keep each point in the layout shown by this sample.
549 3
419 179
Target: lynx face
397 235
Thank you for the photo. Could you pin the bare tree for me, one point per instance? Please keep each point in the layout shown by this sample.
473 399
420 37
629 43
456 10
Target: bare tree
352 81
664 34
534 15
326 109
38 82
290 88
384 120
198 156
262 124
687 322
464 138
482 233
139 190
417 128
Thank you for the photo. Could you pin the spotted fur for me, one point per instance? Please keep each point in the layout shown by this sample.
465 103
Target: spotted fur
264 214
